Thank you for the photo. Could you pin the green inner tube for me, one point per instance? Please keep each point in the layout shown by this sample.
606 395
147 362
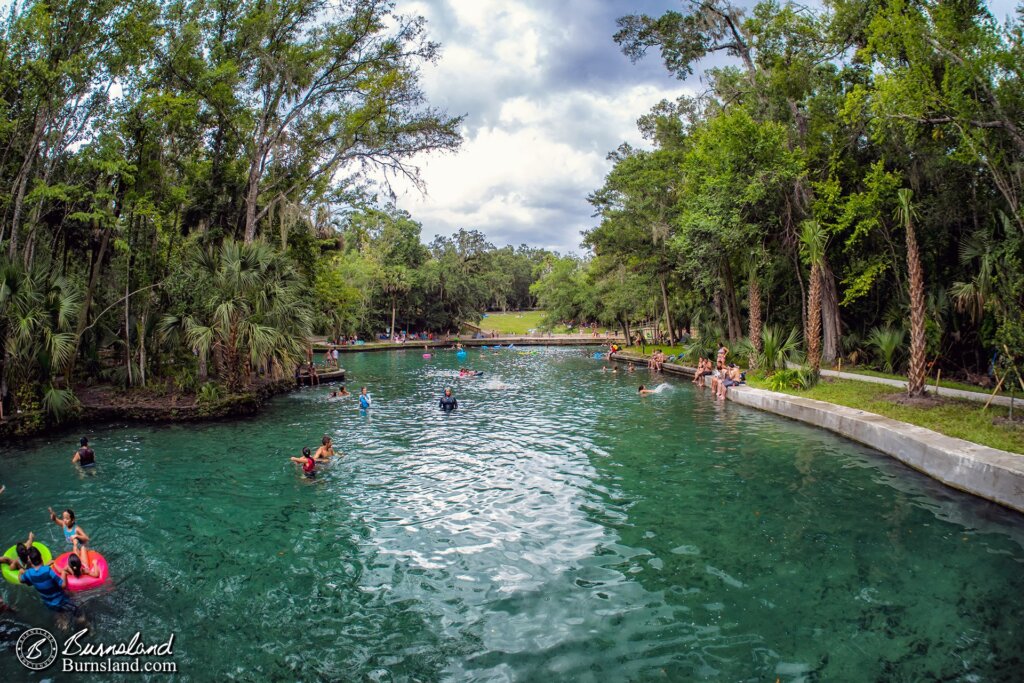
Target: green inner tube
12 553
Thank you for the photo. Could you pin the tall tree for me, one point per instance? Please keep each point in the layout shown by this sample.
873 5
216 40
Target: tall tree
906 213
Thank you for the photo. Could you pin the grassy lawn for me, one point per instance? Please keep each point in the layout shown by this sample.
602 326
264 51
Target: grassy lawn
520 323
930 382
960 419
648 349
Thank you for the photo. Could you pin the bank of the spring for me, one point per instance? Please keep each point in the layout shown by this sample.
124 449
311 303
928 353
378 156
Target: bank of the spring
990 473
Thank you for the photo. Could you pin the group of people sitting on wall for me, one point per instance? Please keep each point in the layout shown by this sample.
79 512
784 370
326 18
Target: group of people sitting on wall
657 359
723 375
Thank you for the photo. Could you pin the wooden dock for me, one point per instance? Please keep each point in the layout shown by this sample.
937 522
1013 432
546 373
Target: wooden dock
326 376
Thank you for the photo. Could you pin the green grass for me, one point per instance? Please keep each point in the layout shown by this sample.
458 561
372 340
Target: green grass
651 348
520 323
960 419
930 382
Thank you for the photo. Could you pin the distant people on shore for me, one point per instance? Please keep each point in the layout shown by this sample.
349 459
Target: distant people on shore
703 370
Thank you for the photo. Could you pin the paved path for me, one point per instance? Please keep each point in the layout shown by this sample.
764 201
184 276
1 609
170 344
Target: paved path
930 388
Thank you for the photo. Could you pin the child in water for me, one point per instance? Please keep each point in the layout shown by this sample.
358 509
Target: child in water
364 398
21 550
307 462
643 391
75 568
73 533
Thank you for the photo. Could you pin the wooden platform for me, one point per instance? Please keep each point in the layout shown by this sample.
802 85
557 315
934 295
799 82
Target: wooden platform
326 376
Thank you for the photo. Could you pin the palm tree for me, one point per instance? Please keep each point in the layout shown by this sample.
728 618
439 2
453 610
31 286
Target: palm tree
37 314
252 313
395 284
887 341
756 324
906 213
812 243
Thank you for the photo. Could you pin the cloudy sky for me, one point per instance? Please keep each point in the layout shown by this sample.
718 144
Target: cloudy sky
547 94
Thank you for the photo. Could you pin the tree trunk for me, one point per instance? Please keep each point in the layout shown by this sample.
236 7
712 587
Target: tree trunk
755 319
831 322
732 309
127 325
83 316
668 314
251 197
392 329
814 320
916 376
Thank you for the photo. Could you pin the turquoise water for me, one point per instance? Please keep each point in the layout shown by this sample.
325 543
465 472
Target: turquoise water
558 529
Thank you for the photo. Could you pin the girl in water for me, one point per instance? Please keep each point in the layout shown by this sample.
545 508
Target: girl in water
75 568
307 462
364 398
73 533
643 391
21 550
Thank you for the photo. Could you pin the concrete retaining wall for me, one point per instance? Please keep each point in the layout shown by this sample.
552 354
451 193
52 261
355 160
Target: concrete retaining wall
986 472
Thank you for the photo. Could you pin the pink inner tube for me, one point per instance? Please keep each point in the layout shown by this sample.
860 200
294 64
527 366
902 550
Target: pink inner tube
426 355
84 582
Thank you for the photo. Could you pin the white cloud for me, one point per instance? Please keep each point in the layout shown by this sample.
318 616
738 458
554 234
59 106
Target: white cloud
535 141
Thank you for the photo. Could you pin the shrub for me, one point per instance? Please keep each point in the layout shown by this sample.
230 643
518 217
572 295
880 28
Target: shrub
888 341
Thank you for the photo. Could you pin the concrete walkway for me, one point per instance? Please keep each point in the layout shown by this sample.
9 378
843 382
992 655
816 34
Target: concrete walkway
930 388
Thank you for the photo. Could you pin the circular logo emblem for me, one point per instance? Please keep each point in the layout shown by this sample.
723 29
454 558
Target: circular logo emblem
36 649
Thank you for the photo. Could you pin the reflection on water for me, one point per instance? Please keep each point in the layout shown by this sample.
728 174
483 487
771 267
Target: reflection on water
555 526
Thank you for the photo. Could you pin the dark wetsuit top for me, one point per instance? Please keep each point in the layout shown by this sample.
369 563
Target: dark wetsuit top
448 403
86 457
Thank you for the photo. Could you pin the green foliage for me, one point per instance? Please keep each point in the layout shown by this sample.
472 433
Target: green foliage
208 394
777 348
889 343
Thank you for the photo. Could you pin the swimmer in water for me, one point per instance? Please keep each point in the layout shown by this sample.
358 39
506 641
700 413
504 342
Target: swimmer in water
631 368
326 450
84 456
20 560
448 402
343 392
364 398
73 533
75 568
643 391
307 462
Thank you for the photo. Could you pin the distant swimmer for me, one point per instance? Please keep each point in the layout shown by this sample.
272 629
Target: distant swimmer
364 398
643 391
84 456
448 402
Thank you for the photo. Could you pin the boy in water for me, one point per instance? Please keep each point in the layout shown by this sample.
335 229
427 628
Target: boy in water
50 586
84 456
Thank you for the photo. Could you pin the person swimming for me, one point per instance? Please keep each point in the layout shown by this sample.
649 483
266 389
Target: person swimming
84 456
76 568
343 392
20 560
307 462
448 402
326 450
644 391
73 533
364 398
